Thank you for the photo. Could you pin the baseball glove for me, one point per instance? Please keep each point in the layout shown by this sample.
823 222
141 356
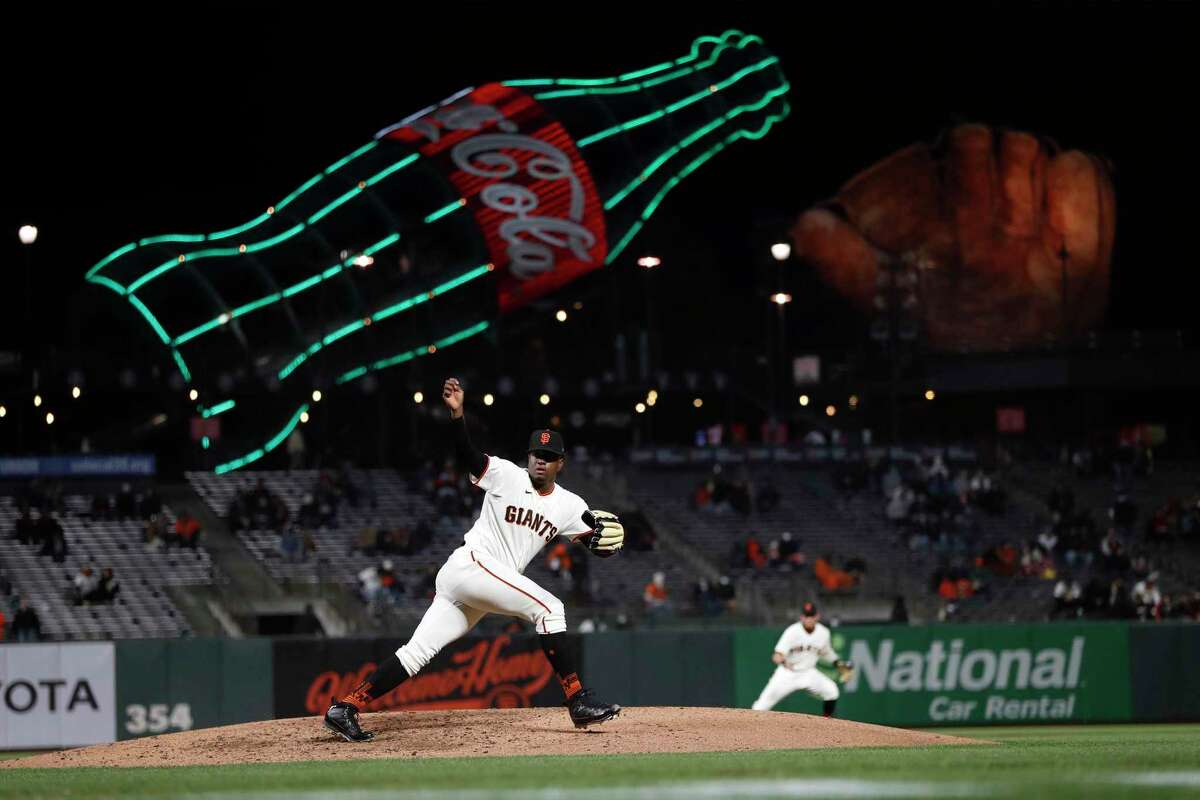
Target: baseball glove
845 670
607 536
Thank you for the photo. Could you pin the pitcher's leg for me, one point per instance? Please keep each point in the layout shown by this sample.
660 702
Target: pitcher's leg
499 589
822 688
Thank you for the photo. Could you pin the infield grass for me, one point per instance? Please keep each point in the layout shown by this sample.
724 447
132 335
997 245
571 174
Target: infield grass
1144 761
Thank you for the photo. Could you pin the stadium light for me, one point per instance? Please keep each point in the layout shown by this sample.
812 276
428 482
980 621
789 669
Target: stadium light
75 392
930 394
697 403
640 408
781 298
37 401
3 412
27 234
544 399
49 418
193 395
304 416
803 399
363 261
316 395
560 315
854 401
781 251
488 399
830 411
649 262
418 397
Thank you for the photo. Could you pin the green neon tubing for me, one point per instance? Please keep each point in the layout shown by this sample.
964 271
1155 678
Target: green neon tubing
327 210
691 139
302 285
382 314
692 56
183 370
399 165
261 218
652 206
145 312
108 284
272 443
676 106
661 79
184 338
409 355
219 408
113 256
278 438
441 212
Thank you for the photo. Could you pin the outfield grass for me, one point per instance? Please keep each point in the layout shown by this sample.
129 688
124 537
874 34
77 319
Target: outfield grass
1060 762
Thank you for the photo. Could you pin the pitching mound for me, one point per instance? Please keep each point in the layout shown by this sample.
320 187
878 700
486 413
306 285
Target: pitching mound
491 732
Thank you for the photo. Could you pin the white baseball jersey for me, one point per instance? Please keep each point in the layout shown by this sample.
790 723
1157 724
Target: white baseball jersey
517 520
802 649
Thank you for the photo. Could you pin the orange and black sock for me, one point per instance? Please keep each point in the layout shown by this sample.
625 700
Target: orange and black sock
561 656
387 676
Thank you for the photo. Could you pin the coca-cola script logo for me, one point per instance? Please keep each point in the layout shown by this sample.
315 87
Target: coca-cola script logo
482 676
533 195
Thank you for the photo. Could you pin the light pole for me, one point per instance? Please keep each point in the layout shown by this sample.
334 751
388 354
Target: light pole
28 235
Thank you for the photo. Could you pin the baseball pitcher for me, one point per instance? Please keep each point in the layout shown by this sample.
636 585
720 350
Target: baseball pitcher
796 654
523 509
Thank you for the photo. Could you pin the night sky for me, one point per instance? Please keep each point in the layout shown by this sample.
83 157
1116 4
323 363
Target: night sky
126 127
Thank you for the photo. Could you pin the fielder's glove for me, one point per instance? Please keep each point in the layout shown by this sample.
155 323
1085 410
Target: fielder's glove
607 536
845 670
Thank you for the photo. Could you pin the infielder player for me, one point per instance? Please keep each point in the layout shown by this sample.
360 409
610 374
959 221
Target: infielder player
796 654
523 509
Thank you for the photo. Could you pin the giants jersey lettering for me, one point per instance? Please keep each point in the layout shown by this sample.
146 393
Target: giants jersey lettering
802 649
516 520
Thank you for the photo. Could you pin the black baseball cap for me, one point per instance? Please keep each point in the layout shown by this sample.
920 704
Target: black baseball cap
547 440
808 610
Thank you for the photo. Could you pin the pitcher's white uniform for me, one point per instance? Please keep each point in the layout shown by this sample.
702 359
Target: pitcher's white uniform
799 672
484 576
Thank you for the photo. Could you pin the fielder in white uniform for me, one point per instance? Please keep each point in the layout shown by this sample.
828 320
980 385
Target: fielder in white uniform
523 509
797 652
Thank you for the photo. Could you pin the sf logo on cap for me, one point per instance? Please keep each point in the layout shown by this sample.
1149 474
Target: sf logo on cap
545 438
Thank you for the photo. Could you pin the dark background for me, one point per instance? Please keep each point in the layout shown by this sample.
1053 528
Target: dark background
126 124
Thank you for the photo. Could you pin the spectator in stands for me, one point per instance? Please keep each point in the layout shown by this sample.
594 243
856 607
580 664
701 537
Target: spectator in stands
559 561
296 449
702 496
3 625
101 506
150 503
187 530
1147 599
24 528
345 484
1048 541
1112 550
390 585
367 541
153 532
290 544
655 597
309 514
5 588
726 593
109 588
1123 514
830 577
328 496
755 557
369 584
768 497
1068 598
308 545
85 584
789 552
54 541
126 502
26 626
705 599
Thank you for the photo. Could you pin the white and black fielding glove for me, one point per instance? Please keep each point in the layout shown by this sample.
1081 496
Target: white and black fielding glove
607 536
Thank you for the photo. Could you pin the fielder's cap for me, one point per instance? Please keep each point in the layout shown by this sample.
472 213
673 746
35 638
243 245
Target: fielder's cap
548 440
808 610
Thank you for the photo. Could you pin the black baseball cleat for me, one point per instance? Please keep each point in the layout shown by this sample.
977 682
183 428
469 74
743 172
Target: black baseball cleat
342 719
586 710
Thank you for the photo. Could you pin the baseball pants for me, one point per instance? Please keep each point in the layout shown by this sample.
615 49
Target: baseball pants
469 585
784 682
